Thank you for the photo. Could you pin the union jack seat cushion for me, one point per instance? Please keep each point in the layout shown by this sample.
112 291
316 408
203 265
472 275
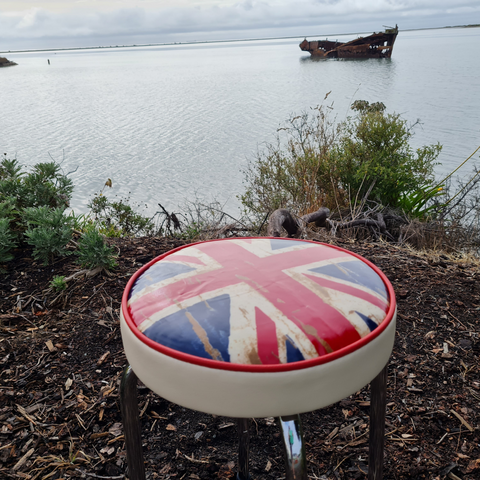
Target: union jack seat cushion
251 327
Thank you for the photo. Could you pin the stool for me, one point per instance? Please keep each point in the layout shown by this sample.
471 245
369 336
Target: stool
258 327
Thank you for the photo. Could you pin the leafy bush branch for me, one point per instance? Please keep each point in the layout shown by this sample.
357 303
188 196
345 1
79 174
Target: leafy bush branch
49 231
317 162
366 173
33 212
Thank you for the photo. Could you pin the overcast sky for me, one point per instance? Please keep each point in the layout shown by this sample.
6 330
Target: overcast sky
30 24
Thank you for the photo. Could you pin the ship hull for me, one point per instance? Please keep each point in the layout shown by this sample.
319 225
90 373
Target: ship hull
377 45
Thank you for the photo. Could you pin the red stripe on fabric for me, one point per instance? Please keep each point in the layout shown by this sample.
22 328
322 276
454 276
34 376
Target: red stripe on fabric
350 290
306 308
264 275
207 363
239 265
266 339
149 306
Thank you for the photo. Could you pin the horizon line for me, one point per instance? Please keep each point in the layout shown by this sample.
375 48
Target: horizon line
200 42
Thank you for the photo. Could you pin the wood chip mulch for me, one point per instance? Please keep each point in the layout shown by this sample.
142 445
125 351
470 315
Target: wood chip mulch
61 359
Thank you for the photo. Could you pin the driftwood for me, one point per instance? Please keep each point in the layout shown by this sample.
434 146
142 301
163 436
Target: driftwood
283 219
377 225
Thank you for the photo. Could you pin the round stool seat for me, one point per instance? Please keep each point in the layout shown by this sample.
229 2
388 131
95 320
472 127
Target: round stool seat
256 327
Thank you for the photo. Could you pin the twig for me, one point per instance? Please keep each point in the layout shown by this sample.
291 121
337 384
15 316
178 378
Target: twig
463 163
263 223
73 171
191 459
346 458
474 394
23 459
24 317
163 208
223 213
365 197
118 477
144 408
464 422
453 476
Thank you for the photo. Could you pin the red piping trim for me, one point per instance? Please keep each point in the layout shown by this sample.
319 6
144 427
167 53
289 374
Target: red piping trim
204 362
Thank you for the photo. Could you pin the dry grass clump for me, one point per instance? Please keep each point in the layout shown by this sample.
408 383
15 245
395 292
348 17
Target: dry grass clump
429 236
436 236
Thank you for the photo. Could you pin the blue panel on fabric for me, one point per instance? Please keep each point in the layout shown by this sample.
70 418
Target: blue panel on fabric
157 272
293 353
202 330
355 272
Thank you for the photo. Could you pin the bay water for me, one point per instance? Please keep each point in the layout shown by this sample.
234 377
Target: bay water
174 123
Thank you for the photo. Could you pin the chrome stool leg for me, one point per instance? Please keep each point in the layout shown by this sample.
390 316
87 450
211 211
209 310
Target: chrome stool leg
295 460
131 424
243 426
378 406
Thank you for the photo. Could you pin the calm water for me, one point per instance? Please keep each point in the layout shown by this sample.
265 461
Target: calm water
165 123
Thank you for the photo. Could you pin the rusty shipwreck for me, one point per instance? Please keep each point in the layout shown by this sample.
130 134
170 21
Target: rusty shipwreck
377 45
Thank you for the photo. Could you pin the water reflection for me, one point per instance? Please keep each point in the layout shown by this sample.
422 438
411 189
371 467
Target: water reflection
315 59
165 123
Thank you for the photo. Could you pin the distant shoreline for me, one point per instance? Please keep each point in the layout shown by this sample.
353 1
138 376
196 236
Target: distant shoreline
202 42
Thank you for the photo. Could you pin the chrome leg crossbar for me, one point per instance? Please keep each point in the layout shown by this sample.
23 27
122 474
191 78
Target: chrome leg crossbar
295 460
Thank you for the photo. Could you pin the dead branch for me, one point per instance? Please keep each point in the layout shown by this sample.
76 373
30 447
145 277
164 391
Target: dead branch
283 219
319 217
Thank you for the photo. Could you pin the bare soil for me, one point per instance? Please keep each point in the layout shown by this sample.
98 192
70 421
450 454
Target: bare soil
61 359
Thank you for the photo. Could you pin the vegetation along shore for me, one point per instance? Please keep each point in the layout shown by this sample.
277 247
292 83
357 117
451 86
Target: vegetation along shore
357 184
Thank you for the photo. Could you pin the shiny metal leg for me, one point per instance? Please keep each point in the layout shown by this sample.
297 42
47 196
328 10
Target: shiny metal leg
295 460
243 425
131 424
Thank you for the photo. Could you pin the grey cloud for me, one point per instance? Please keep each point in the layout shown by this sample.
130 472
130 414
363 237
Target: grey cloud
248 17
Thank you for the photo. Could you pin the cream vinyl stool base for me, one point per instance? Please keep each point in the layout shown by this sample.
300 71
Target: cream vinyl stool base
291 429
253 328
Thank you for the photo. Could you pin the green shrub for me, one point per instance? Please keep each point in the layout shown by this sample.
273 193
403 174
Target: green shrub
117 218
33 203
93 252
316 162
298 171
48 231
7 241
423 203
32 211
10 169
7 208
192 231
58 283
45 185
374 150
81 222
